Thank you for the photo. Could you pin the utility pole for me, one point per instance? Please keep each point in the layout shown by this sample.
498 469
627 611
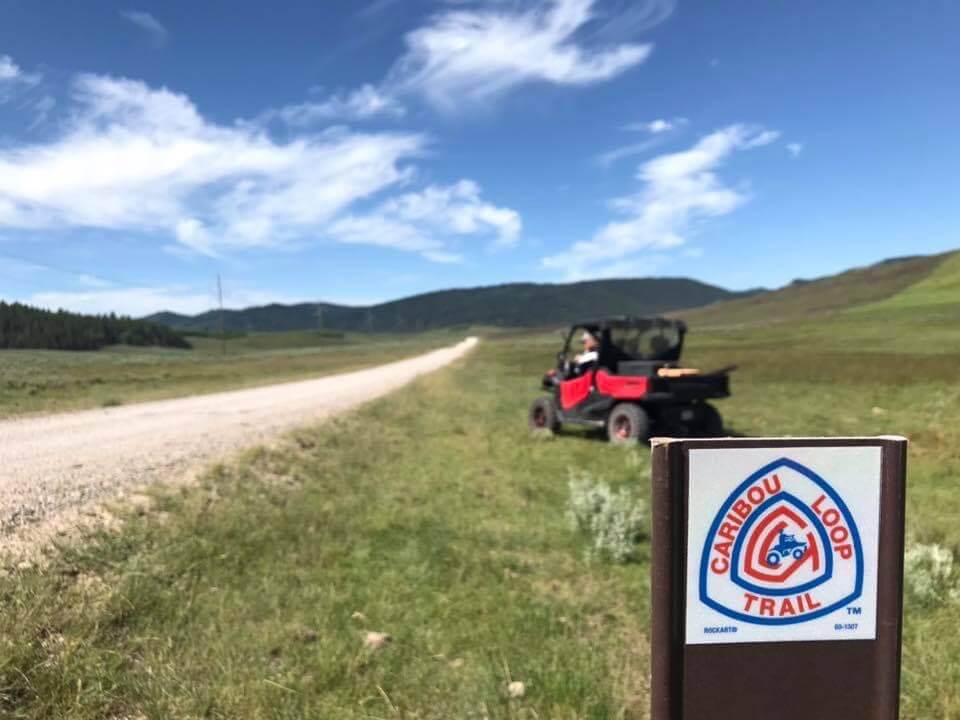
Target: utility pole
319 317
223 336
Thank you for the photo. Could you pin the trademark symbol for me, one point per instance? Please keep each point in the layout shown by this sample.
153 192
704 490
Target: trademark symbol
853 611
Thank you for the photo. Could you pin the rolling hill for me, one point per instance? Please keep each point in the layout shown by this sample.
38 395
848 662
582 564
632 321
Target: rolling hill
510 305
860 288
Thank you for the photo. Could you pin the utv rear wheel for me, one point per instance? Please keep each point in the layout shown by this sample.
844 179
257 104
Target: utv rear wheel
627 424
543 415
711 424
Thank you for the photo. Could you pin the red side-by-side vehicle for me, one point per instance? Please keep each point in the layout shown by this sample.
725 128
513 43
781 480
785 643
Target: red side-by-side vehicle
634 386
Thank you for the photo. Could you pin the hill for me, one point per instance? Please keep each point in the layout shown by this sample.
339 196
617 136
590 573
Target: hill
939 289
804 299
25 327
509 305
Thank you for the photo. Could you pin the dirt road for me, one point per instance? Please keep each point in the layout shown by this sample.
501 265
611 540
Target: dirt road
52 464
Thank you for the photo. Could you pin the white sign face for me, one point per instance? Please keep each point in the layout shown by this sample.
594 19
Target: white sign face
782 544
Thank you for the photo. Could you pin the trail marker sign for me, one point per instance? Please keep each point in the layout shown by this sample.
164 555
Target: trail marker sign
777 578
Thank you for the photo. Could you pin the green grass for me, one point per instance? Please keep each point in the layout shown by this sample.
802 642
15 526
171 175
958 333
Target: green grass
439 518
45 380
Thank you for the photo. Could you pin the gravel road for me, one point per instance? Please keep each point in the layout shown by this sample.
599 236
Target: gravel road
51 465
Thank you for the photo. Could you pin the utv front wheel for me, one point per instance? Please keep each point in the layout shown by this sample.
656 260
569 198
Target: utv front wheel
543 415
627 424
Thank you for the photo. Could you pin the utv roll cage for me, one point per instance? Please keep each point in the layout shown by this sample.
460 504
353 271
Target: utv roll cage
631 339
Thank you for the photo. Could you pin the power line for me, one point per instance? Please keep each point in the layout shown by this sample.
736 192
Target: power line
49 267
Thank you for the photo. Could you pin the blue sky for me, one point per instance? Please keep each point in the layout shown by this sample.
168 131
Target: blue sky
360 151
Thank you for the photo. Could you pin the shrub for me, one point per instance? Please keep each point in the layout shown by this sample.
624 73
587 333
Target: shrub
929 577
615 520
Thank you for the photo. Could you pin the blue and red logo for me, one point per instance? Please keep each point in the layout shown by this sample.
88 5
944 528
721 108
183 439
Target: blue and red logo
783 549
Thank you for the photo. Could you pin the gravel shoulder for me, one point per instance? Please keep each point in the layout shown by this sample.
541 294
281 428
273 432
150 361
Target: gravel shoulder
51 466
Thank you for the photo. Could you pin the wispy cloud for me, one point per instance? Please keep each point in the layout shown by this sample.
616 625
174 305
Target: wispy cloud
795 148
608 158
621 19
657 130
423 222
376 8
9 70
656 127
148 23
12 75
136 159
362 104
473 55
676 190
42 109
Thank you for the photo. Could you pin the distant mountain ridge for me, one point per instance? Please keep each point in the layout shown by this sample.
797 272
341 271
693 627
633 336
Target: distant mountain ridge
508 305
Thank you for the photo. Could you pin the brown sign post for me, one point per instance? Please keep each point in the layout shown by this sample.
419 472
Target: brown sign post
777 578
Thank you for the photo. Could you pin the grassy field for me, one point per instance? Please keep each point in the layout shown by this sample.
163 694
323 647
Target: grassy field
44 381
435 517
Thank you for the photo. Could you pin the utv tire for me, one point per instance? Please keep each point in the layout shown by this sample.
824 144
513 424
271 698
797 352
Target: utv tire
627 424
711 424
543 417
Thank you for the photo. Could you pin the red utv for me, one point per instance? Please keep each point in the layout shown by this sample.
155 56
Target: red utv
634 385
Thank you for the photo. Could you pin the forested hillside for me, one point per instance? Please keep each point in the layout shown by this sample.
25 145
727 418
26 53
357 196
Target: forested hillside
510 305
22 326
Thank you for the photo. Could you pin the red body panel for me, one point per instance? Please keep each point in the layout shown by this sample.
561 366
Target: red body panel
575 391
621 387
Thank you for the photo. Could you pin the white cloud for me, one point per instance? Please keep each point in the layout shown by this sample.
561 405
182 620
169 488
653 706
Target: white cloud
12 74
148 23
140 301
139 160
656 127
194 235
472 55
677 190
424 221
795 148
625 18
608 158
144 160
361 104
442 257
42 109
8 69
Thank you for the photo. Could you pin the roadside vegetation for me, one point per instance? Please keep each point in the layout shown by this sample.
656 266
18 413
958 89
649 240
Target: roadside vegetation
47 381
435 518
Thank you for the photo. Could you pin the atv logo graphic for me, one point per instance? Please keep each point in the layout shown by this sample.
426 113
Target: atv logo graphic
783 549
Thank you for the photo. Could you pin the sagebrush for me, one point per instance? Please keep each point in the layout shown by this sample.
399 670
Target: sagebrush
615 520
929 576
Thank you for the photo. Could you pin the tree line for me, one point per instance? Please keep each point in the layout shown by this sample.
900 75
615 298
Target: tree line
22 326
